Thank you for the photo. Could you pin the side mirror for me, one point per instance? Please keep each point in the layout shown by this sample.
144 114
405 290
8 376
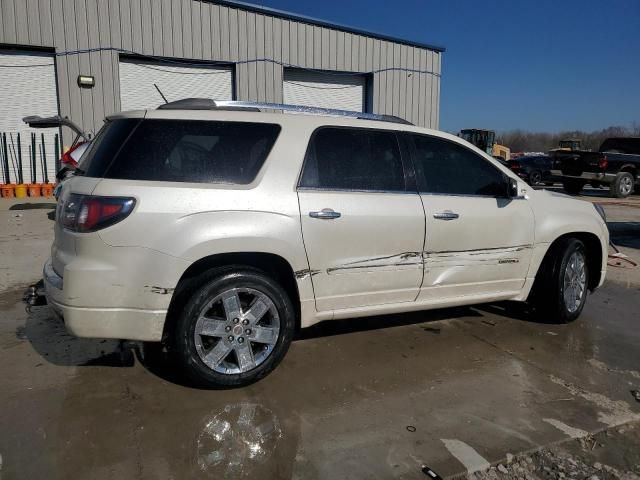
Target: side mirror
512 187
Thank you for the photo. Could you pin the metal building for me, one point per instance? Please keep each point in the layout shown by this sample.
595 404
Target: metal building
189 48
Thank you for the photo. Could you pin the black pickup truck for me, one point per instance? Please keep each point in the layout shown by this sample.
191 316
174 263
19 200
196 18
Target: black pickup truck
616 164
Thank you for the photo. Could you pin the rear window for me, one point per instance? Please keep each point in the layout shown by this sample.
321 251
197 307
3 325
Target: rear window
621 145
180 150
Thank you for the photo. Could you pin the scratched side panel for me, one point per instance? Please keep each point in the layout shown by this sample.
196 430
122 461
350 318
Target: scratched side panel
474 272
486 250
370 255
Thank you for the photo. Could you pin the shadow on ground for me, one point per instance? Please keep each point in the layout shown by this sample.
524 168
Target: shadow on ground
49 338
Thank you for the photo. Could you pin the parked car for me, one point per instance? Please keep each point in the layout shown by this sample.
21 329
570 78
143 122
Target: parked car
220 229
535 169
502 160
615 164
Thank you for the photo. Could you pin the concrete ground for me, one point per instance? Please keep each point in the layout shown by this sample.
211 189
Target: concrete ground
454 390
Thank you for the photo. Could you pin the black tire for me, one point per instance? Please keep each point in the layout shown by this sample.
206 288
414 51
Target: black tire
535 178
622 186
548 293
214 284
572 186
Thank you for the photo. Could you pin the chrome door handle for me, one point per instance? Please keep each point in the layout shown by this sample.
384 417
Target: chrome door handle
446 215
325 214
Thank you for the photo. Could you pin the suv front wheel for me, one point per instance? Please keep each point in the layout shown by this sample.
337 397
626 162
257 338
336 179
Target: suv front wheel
235 328
560 290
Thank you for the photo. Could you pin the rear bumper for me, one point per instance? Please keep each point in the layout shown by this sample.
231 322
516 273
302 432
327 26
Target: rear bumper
600 177
107 322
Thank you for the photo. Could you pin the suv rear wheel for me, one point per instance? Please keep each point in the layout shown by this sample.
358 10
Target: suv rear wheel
235 328
572 185
623 185
560 290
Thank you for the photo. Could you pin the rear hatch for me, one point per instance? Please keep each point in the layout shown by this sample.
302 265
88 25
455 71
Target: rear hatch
104 146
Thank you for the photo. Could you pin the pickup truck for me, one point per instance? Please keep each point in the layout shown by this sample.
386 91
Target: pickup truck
616 163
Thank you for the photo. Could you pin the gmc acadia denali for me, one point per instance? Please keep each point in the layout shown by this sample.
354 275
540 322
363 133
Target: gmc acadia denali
220 229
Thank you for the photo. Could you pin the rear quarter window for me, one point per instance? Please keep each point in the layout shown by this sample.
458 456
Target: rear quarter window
621 145
181 150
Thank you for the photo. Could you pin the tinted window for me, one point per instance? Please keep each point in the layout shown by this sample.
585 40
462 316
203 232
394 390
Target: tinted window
621 145
446 167
182 151
105 146
353 159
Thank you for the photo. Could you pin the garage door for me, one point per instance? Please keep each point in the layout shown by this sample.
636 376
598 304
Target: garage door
28 88
316 89
137 79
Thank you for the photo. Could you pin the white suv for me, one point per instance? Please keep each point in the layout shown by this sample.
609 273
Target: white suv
220 229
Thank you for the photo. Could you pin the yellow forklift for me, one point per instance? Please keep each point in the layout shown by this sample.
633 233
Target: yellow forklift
569 144
485 140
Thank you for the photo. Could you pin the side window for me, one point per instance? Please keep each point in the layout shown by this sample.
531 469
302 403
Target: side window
446 167
353 159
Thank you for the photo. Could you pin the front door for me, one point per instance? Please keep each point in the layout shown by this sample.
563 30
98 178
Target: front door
363 227
478 241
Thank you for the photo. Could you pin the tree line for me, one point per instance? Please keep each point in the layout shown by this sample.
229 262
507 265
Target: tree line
524 141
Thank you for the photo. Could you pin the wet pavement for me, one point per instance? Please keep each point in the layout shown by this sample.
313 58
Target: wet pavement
378 397
372 398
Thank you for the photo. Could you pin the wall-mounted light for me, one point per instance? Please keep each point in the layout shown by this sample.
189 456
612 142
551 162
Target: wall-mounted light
86 81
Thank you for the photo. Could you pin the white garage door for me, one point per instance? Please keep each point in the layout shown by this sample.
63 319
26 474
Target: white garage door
137 79
316 89
27 87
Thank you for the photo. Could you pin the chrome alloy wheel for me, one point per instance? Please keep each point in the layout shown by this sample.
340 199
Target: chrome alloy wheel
626 185
237 330
575 280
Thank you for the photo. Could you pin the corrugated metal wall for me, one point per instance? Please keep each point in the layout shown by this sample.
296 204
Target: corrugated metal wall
191 29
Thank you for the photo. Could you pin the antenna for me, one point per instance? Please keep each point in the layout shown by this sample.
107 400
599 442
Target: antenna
160 92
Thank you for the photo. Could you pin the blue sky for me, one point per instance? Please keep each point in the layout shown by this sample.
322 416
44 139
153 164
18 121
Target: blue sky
541 65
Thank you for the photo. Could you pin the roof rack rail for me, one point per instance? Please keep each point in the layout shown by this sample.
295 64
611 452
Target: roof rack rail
209 104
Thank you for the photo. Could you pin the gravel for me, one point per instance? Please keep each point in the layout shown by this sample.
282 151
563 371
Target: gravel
556 464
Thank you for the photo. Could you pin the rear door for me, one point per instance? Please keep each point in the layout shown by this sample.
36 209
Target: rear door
362 219
478 241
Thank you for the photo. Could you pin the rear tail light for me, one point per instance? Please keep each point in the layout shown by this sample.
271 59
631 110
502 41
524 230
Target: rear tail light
88 213
603 162
513 165
68 159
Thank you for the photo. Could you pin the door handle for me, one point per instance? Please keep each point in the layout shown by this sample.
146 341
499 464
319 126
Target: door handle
447 215
325 214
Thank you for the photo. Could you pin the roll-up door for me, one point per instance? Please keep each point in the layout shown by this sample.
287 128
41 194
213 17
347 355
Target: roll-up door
28 83
137 79
318 89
